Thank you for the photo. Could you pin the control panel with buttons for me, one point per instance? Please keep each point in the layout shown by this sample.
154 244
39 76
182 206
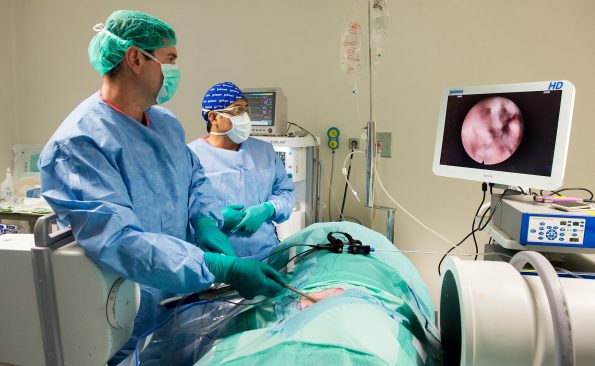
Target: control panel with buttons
556 230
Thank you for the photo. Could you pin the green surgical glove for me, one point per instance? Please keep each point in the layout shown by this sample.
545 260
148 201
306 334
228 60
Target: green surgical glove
248 276
232 215
255 216
210 238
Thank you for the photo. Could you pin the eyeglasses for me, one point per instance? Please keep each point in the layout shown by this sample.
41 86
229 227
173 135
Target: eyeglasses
234 111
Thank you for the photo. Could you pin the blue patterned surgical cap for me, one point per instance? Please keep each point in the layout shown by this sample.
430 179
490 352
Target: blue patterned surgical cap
220 96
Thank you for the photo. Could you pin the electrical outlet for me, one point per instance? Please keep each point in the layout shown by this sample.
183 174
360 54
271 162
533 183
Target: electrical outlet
383 140
354 144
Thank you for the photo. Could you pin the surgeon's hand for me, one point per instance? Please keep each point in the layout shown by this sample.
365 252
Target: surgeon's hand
255 217
210 238
232 215
248 276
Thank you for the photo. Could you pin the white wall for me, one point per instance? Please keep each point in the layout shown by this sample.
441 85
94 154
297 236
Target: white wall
430 45
7 82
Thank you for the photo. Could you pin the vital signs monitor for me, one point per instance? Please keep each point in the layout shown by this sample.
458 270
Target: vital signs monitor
268 111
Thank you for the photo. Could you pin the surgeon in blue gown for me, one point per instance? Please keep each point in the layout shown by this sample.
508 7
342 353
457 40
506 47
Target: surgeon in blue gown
253 187
118 171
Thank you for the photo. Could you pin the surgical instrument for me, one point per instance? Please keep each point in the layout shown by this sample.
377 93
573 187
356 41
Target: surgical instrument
303 294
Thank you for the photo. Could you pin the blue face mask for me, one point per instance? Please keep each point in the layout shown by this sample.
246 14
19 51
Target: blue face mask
171 79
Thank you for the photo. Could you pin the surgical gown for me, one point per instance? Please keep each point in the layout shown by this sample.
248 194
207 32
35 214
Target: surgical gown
128 192
251 175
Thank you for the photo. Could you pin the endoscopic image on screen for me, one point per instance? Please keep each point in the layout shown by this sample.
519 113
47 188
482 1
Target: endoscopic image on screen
509 132
492 130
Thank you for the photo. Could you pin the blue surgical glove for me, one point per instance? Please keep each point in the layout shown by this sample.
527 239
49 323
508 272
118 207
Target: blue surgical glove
232 215
210 238
248 276
255 216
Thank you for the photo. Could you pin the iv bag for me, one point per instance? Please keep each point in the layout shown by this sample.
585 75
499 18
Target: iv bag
378 20
350 57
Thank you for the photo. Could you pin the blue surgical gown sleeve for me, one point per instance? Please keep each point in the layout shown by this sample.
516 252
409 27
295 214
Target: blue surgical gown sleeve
202 200
87 190
282 196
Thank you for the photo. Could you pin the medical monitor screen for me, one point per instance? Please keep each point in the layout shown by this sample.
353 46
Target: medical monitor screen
512 132
506 134
262 108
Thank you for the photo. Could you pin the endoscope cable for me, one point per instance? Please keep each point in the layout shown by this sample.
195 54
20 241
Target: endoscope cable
281 250
570 189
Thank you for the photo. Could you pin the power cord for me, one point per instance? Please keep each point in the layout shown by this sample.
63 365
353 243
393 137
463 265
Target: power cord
484 188
480 227
353 143
344 171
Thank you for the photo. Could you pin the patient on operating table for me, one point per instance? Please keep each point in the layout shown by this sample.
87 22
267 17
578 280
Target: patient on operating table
371 310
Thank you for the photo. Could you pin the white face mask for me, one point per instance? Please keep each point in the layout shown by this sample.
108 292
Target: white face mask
240 128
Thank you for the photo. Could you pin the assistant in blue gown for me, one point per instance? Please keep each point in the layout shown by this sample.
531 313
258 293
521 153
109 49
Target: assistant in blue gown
252 175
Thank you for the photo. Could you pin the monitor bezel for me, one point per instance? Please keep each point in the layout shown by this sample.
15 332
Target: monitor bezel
551 182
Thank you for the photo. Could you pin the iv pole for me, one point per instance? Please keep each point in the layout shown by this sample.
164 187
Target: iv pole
371 137
371 125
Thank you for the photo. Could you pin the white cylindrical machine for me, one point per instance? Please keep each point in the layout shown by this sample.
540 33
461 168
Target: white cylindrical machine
57 308
490 314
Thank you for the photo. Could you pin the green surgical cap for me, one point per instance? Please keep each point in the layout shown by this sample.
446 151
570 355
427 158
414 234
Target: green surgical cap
125 28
